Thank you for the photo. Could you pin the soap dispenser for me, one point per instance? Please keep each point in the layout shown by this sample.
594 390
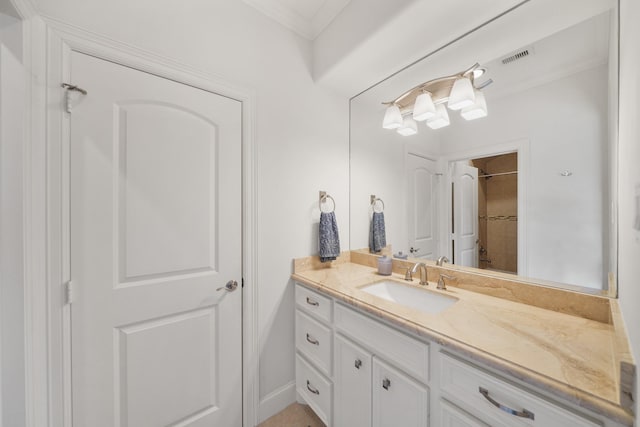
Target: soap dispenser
384 266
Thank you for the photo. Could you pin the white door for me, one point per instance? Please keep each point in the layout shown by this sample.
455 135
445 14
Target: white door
423 178
465 214
398 400
155 232
352 385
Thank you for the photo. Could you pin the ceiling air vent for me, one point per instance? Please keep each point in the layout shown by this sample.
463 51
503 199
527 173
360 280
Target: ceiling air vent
517 55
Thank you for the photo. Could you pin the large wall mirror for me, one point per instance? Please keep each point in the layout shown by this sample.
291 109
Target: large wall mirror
530 188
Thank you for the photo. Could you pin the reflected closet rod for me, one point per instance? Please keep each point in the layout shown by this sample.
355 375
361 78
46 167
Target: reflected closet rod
497 174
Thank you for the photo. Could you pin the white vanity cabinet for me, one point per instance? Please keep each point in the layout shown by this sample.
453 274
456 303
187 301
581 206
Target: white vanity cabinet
314 351
357 371
499 402
371 392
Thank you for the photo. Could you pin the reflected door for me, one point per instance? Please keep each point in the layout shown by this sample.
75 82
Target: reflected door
155 233
422 206
465 215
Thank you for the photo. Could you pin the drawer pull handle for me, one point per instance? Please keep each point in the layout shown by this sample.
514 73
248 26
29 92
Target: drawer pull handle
312 389
358 363
522 414
386 383
312 341
312 302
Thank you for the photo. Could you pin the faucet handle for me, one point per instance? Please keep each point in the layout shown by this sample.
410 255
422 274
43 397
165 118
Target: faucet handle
441 284
407 276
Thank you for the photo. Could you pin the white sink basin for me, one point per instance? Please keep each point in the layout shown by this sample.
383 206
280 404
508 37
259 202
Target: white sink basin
410 296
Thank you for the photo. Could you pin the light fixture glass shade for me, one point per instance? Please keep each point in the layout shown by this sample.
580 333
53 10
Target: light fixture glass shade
441 119
392 118
477 110
461 94
424 108
409 127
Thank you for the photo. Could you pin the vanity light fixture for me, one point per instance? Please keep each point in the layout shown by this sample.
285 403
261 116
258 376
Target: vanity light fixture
392 117
426 102
424 108
462 94
441 119
478 109
409 127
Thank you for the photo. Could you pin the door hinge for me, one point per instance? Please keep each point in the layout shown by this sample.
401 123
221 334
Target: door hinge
68 292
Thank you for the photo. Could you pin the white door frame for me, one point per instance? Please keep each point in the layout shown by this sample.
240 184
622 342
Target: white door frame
48 45
520 146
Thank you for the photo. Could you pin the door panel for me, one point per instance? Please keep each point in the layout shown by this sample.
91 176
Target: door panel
152 198
155 341
140 368
423 206
398 400
353 385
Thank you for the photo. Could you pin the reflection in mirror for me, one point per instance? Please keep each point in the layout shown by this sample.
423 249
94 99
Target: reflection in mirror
528 189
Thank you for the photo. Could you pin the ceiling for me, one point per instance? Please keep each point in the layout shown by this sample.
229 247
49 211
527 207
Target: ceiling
306 17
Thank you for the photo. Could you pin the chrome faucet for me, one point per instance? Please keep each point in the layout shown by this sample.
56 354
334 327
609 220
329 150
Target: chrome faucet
423 272
442 260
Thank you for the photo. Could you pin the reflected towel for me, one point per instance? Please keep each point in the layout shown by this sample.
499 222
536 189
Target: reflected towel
328 237
377 235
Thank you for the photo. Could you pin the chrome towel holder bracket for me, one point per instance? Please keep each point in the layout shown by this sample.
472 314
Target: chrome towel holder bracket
375 199
323 197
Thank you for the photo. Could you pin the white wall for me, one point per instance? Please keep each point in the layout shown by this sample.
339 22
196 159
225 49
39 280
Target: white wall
301 136
12 373
629 177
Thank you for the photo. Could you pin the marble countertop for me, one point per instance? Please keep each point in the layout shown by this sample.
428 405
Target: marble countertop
569 356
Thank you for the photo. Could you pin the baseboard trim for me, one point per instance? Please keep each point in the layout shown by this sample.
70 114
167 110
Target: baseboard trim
276 401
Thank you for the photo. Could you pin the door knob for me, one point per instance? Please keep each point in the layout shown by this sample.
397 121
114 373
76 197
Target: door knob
414 250
231 286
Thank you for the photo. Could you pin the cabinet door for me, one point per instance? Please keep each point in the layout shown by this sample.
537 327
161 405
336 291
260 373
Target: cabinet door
452 416
398 400
352 385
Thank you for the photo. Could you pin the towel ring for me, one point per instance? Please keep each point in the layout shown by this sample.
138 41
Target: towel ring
323 199
375 199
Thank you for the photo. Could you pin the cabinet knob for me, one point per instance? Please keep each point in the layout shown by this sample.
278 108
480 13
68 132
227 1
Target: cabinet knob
358 363
386 383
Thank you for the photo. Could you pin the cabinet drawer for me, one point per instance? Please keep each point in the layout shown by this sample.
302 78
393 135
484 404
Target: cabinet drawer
452 416
405 351
314 340
462 383
313 302
314 388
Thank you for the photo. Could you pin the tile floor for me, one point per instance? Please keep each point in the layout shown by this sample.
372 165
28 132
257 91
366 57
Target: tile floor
294 415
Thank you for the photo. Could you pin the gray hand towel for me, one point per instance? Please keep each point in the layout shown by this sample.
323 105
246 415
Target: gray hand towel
377 235
328 236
